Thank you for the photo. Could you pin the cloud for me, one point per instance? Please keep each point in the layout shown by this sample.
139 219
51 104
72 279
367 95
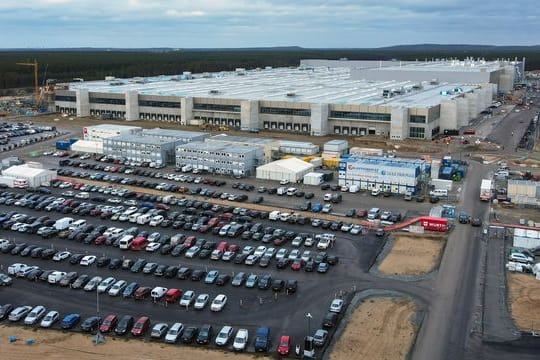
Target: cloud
232 23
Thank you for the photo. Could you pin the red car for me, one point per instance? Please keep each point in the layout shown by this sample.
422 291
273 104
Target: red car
234 248
297 264
142 292
141 326
172 295
100 240
284 346
190 241
109 323
222 246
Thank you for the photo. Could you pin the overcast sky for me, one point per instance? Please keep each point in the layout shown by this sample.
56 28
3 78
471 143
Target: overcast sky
251 23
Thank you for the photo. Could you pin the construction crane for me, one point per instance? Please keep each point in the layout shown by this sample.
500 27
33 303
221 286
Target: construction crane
36 81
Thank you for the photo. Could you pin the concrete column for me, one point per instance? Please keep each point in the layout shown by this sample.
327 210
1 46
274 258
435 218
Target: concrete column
186 111
472 99
399 123
82 102
449 120
132 105
319 119
463 117
249 115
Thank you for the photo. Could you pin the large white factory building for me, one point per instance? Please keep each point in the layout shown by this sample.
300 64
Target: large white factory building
320 97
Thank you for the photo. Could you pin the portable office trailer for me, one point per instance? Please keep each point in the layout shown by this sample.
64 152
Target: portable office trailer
313 178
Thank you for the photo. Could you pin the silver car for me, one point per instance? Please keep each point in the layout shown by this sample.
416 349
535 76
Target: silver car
19 312
50 319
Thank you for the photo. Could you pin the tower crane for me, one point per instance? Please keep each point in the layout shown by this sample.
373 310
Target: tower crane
36 81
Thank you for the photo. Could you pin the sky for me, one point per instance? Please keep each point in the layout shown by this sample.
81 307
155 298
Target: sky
263 23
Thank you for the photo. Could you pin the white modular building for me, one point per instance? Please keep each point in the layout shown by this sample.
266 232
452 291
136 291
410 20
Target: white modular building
32 172
291 169
88 146
156 151
526 238
178 136
220 158
396 175
524 192
104 131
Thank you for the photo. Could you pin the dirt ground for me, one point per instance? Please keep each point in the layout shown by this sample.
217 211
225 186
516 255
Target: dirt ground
50 344
524 296
413 254
380 329
513 215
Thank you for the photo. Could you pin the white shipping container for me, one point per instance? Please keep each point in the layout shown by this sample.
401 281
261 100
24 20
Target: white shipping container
317 162
313 179
526 242
366 151
441 184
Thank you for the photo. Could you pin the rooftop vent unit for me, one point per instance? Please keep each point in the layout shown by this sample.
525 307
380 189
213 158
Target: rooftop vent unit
291 94
434 82
214 92
386 93
417 87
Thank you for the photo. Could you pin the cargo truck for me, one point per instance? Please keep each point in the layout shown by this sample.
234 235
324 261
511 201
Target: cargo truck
485 190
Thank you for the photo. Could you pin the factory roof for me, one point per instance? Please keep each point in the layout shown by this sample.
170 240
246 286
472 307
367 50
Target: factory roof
24 170
181 134
138 139
445 65
242 139
216 146
294 85
112 127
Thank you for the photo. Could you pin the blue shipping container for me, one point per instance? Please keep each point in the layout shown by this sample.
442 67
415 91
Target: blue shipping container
63 145
73 140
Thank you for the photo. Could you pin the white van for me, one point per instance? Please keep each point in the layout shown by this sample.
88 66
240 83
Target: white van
187 168
144 219
284 216
125 242
439 192
77 224
63 223
327 197
374 213
354 188
376 192
133 217
274 215
291 191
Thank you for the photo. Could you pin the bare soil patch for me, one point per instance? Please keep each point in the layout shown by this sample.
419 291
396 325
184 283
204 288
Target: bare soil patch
413 254
50 344
379 329
524 298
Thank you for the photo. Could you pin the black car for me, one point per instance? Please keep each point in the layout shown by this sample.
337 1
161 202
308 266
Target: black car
115 264
278 285
240 258
310 266
291 286
332 259
75 259
198 275
330 320
264 282
222 280
45 275
81 281
34 274
124 325
103 261
5 310
282 263
189 334
205 335
184 273
90 324
68 279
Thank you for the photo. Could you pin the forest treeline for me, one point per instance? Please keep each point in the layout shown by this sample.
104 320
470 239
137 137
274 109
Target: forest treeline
64 65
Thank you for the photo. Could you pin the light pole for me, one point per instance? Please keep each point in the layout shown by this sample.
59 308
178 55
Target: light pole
309 317
98 338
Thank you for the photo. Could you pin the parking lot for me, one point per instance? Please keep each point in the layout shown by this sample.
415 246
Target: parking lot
246 307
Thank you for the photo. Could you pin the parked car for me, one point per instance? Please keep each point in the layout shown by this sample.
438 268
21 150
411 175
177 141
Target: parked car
218 303
109 323
174 332
319 338
35 315
224 336
159 330
241 340
49 319
90 324
141 326
70 321
284 347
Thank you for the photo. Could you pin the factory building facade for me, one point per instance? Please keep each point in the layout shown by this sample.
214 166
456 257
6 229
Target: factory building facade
306 100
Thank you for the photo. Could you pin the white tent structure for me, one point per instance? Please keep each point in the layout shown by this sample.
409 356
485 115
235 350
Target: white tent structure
291 169
88 146
35 175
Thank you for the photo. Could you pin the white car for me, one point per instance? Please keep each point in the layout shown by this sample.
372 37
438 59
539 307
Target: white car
3 242
35 315
159 330
153 246
224 335
156 220
174 332
327 208
260 251
346 227
187 298
284 182
282 253
327 197
294 254
106 284
270 252
62 255
93 283
117 288
201 301
356 229
192 252
522 258
218 303
13 269
55 277
19 312
158 292
306 255
336 305
241 340
251 259
88 260
248 250
323 244
49 319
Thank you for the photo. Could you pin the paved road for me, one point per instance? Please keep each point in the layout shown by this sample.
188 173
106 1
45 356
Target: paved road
445 327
